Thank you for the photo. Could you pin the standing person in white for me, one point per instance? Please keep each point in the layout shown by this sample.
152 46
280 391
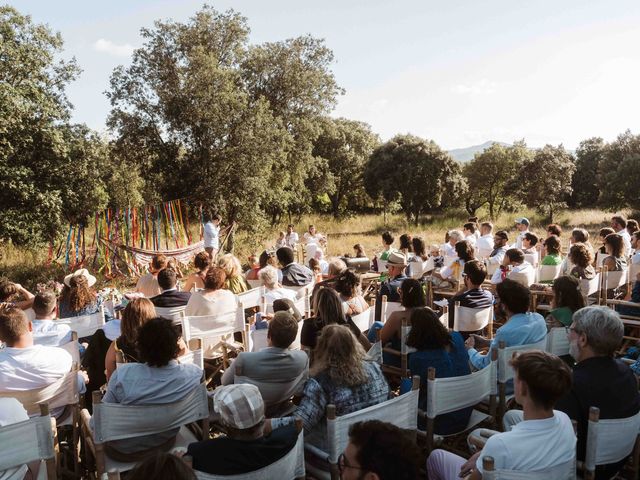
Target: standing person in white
522 225
291 239
619 225
544 441
212 235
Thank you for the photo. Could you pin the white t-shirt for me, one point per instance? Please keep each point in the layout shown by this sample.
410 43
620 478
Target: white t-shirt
532 445
222 301
50 333
32 367
524 267
291 240
472 239
484 245
626 239
211 235
12 411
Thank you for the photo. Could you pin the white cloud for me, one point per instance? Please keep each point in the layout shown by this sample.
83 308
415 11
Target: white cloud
482 87
107 46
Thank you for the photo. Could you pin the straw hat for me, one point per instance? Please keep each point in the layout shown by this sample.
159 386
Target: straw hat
91 280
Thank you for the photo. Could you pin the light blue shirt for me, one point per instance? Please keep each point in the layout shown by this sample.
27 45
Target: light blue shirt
521 329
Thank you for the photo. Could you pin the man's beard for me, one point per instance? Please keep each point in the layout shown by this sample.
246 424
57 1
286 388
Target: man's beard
574 351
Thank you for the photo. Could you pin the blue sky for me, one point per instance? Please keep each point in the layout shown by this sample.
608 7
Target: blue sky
459 72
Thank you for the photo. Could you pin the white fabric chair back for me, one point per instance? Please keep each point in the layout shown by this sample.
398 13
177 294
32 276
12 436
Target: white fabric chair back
85 325
115 421
505 370
491 268
634 269
449 259
600 258
467 319
73 347
558 341
546 273
174 314
251 298
259 339
564 471
365 319
289 466
194 357
523 278
26 442
212 328
446 395
609 441
59 394
388 308
590 287
614 279
532 258
401 411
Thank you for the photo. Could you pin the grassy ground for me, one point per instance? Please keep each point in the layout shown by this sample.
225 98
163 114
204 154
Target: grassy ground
28 266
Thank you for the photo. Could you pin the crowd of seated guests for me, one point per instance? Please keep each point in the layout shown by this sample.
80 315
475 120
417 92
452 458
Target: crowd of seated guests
332 367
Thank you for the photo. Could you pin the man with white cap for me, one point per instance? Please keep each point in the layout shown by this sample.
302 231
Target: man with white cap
522 225
245 448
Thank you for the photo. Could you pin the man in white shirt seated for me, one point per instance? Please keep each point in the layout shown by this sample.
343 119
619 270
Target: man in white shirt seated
513 258
278 372
635 245
23 365
449 248
522 225
544 442
469 232
46 331
619 225
484 244
291 239
500 241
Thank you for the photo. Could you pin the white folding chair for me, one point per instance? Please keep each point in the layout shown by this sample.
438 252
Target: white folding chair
401 411
388 308
590 287
195 355
612 280
29 441
547 273
600 258
216 332
73 347
85 325
365 319
558 341
114 421
445 395
251 298
524 278
403 353
290 466
466 319
174 314
565 471
608 441
254 283
532 258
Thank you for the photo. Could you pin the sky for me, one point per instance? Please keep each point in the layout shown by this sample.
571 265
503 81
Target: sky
459 72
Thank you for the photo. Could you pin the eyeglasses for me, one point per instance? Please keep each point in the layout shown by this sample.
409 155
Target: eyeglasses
342 464
570 329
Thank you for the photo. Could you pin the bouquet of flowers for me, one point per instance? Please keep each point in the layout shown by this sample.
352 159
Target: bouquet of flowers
50 286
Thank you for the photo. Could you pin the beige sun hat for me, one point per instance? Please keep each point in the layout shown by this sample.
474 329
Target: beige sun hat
91 280
397 259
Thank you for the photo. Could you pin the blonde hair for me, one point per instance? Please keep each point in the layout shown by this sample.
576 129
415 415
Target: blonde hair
231 265
269 276
137 312
340 356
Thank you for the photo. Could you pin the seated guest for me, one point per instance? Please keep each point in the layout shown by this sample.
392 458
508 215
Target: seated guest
469 232
214 299
619 225
604 232
46 331
137 312
293 274
443 350
449 248
23 365
196 280
77 297
12 411
464 253
245 447
336 268
420 256
567 299
281 241
632 226
148 283
580 235
484 244
379 451
314 266
234 282
614 247
387 246
312 235
342 375
522 327
396 265
552 249
273 289
500 242
291 238
278 372
542 441
159 380
554 229
529 242
599 380
170 296
327 311
580 261
358 251
473 295
513 262
406 246
15 294
348 287
268 258
522 226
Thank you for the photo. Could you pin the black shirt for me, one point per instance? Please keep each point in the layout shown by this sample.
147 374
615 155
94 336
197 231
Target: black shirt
605 383
228 456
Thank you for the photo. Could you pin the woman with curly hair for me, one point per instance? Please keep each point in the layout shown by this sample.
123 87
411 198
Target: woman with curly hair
567 299
341 375
78 298
235 282
581 258
201 262
348 286
15 294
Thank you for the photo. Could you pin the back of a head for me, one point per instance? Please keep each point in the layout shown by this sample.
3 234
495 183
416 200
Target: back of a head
532 238
470 226
340 356
137 312
230 264
167 278
568 293
554 229
620 220
158 342
336 267
580 235
286 305
427 331
347 283
580 255
419 247
465 250
283 329
552 244
387 238
269 276
405 242
615 242
158 262
13 325
202 261
548 378
44 303
632 226
328 306
606 231
603 328
215 278
285 256
514 296
386 450
456 235
487 226
515 255
162 466
502 234
475 271
412 294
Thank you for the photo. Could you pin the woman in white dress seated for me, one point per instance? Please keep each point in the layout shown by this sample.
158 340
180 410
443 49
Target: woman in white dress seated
273 289
214 299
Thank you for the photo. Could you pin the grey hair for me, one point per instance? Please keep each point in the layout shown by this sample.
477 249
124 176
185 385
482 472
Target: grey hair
269 276
457 234
336 267
602 326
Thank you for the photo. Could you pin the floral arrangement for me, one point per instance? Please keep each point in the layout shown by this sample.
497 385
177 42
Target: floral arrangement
50 286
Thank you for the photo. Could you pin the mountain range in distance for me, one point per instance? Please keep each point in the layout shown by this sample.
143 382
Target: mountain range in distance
466 154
